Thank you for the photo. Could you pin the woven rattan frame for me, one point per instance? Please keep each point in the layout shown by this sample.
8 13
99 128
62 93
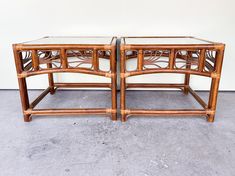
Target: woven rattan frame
30 57
199 55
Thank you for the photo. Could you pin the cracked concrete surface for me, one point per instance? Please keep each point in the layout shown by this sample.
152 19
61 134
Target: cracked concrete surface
96 146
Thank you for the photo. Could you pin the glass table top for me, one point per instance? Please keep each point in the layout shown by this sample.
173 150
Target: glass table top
71 40
164 41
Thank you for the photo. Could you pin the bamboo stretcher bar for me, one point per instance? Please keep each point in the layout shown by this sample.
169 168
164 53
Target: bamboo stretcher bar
40 97
144 85
199 100
166 112
153 71
60 70
95 85
68 111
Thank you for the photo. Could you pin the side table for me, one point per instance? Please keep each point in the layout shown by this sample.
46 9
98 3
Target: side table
182 55
50 55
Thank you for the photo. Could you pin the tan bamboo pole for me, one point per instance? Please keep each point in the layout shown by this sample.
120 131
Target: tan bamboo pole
202 60
113 82
67 111
187 75
166 112
64 58
24 98
215 85
95 59
199 100
18 61
22 85
35 60
40 97
123 87
140 59
61 70
144 85
80 85
172 59
51 80
163 70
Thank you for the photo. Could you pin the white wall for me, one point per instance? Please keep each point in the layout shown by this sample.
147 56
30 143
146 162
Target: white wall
22 20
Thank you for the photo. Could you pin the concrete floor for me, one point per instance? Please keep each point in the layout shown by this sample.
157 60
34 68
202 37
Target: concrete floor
96 146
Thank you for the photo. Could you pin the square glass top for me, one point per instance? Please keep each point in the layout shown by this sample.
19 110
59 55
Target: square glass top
164 41
71 40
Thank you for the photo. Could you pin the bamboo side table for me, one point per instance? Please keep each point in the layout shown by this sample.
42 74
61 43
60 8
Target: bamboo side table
51 55
183 55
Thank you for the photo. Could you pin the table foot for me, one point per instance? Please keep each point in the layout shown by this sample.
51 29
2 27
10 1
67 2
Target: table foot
114 116
27 118
52 91
211 118
186 90
123 118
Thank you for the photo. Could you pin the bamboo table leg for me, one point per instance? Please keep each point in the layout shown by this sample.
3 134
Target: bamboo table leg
114 84
51 80
213 99
123 87
215 86
24 98
22 85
